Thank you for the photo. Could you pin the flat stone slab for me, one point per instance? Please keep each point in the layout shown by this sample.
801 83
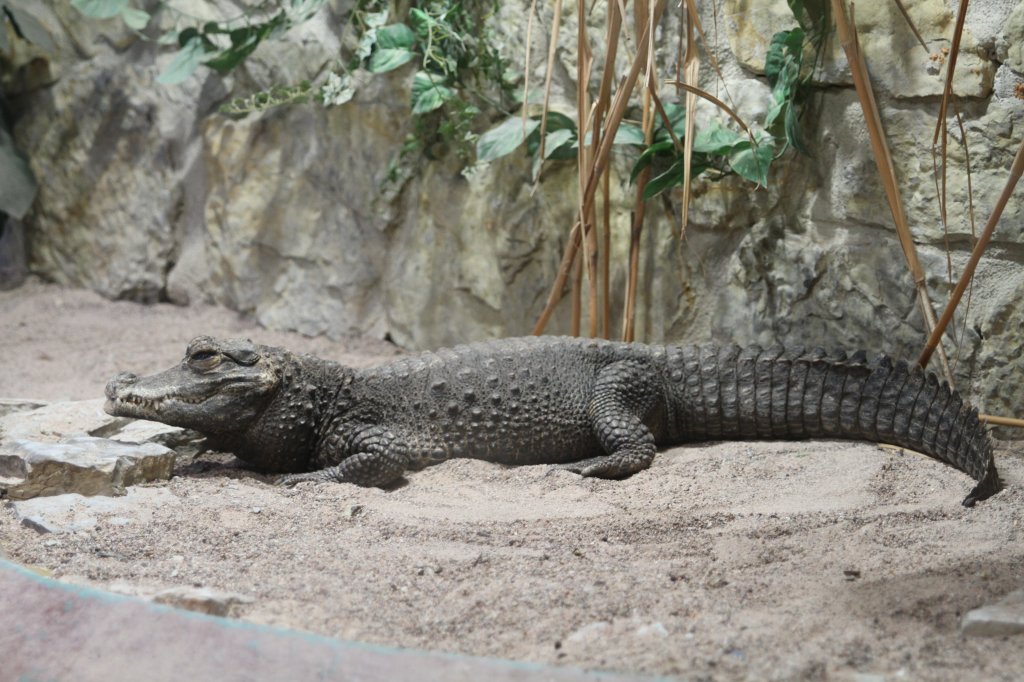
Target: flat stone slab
54 631
52 422
144 431
1005 617
82 464
15 405
72 512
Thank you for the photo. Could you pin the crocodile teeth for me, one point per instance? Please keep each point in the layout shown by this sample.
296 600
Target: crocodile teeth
155 403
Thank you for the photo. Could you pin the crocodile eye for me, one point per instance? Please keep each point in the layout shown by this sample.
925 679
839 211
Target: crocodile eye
204 359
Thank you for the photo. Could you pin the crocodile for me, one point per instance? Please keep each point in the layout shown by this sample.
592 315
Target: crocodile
598 408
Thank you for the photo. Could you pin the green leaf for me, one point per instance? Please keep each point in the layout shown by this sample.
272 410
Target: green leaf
388 59
647 157
233 56
188 59
29 27
777 109
673 177
504 138
677 118
716 139
421 21
135 18
773 63
793 136
187 35
626 134
99 9
752 162
244 41
559 121
429 92
629 133
395 36
376 19
17 185
556 144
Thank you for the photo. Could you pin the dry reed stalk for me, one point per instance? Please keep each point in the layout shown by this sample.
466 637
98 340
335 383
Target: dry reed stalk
616 112
691 74
606 257
947 91
644 20
883 160
1001 421
910 23
585 117
1016 170
556 22
526 62
941 135
613 24
577 304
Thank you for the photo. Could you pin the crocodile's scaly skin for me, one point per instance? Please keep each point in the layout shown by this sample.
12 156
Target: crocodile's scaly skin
597 407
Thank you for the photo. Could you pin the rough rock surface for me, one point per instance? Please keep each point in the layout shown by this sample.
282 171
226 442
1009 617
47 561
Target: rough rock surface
1005 617
283 216
73 512
81 464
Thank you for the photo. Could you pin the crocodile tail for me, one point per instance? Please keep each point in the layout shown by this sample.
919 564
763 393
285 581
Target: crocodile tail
732 393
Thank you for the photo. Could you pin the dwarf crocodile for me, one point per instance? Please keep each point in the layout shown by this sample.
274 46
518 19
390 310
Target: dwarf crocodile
598 408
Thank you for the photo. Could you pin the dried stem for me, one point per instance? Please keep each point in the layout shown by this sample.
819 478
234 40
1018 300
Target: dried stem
883 159
556 22
691 73
1016 170
645 19
600 163
1001 421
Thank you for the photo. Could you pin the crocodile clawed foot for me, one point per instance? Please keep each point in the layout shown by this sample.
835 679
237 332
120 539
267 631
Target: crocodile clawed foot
593 466
290 480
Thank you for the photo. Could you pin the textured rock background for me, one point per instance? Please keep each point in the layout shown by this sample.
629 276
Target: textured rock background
147 193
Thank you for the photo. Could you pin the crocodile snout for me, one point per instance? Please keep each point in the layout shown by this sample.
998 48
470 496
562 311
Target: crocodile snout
119 382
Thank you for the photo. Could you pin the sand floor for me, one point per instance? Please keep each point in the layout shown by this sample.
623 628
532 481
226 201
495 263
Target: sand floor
772 560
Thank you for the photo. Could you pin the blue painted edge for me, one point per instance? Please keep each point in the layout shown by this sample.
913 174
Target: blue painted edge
335 645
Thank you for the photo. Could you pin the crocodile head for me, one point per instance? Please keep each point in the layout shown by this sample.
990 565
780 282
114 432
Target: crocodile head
219 388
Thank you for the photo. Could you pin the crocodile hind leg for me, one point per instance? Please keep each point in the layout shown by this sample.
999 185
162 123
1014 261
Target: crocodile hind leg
623 396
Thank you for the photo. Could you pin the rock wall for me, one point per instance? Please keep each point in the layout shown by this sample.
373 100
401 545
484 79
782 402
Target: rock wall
147 193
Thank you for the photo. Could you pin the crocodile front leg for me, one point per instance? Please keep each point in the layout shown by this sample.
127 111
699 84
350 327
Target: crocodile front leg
370 456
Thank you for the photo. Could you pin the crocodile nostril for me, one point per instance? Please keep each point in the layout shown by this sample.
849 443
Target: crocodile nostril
117 383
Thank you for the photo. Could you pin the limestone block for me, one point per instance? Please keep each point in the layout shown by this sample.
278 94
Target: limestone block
1005 617
1008 84
83 464
1010 43
15 405
144 431
481 251
293 217
51 422
72 512
899 65
108 146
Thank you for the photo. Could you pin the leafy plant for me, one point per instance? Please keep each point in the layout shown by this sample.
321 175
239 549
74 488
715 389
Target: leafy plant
18 187
220 46
461 73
